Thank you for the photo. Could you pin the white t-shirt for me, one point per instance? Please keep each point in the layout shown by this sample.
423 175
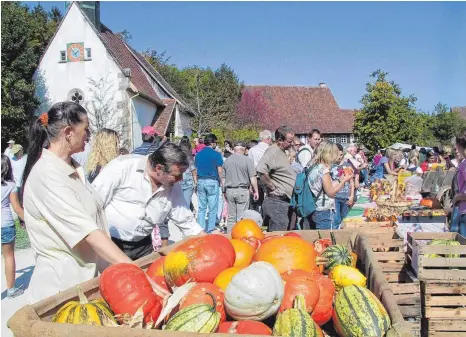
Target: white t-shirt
304 155
18 169
7 217
323 202
8 153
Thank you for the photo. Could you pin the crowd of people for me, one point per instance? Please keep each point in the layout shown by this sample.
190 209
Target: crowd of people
86 205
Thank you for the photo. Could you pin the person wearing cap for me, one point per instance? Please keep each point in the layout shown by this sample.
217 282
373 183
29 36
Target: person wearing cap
7 152
18 163
141 193
239 175
148 146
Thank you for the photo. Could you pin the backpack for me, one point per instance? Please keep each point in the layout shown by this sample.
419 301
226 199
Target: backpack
302 199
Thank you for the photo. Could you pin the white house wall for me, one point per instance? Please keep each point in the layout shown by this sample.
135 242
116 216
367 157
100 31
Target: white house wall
55 79
143 115
182 123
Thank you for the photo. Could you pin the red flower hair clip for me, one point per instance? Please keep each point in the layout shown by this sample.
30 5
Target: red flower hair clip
44 119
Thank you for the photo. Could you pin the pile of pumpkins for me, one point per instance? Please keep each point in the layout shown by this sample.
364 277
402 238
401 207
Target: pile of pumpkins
279 285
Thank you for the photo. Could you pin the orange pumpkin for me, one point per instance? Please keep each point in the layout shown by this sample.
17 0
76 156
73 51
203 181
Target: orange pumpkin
244 253
305 286
247 228
295 273
287 253
160 280
198 295
199 260
224 278
432 203
323 309
245 328
156 268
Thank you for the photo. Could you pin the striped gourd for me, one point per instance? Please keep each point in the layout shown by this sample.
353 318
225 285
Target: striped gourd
86 312
438 242
296 322
337 255
201 318
359 313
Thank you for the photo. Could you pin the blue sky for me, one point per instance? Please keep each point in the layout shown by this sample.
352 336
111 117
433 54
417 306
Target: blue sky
421 44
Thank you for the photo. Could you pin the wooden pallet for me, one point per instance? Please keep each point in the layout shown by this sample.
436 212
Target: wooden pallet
440 268
443 328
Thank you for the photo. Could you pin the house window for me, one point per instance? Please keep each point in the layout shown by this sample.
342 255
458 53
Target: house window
76 95
332 138
343 139
62 56
88 54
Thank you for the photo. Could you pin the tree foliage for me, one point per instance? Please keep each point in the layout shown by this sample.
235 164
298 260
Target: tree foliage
445 124
387 116
25 35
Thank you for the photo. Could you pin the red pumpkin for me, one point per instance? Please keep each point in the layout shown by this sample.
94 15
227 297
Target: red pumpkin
125 288
323 310
293 234
199 259
245 328
305 286
156 268
160 280
287 253
198 295
253 242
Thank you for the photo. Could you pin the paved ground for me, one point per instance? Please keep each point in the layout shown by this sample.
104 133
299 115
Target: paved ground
24 268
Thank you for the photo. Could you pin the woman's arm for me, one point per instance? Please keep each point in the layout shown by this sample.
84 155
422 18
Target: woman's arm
106 248
14 201
458 197
351 196
328 187
389 170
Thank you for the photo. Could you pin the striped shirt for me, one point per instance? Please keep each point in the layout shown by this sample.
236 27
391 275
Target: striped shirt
146 148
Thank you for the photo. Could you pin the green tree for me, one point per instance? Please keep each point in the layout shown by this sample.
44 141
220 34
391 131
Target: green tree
446 124
387 116
25 35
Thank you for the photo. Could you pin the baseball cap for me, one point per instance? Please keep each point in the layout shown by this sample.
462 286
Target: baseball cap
149 130
11 141
16 148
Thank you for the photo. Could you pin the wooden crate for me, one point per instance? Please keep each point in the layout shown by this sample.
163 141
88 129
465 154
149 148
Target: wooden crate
443 299
440 268
443 328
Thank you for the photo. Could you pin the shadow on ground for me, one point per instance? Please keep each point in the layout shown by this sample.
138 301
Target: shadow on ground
23 280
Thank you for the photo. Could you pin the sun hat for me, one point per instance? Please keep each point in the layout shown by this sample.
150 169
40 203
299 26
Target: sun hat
16 148
11 141
149 130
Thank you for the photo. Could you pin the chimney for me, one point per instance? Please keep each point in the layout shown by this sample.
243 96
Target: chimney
92 11
322 85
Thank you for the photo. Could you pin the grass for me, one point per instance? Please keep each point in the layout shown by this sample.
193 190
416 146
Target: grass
22 239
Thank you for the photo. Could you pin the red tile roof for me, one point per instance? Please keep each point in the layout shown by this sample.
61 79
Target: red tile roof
304 108
125 59
163 119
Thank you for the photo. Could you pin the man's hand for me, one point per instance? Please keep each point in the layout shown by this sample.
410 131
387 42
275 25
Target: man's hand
256 196
350 202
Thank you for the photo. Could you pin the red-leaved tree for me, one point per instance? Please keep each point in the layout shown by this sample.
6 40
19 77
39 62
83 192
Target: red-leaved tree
253 109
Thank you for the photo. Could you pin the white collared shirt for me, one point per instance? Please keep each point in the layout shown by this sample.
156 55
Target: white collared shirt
132 208
60 209
256 152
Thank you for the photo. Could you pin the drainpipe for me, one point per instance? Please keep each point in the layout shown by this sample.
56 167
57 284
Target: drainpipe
130 101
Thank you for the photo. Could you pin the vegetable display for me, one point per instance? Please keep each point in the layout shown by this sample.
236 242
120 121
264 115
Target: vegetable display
249 284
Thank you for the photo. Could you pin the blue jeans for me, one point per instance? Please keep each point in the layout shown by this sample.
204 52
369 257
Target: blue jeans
365 176
462 225
208 195
341 211
8 234
321 219
188 194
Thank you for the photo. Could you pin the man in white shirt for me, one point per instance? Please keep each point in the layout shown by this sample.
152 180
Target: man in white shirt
303 152
7 152
314 140
140 192
18 163
256 152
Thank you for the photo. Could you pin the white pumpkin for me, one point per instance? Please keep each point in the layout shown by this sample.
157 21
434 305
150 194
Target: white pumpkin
255 293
